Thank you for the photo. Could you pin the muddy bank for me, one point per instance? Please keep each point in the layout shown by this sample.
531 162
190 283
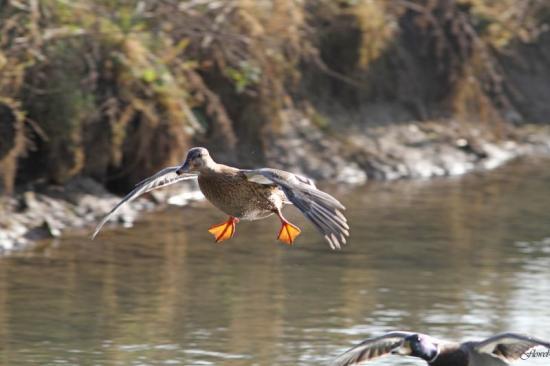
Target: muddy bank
115 91
421 150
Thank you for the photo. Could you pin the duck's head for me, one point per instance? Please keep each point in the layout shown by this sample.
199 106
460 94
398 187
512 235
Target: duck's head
418 345
198 158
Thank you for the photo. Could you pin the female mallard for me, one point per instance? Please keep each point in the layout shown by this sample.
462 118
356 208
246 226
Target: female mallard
251 195
498 350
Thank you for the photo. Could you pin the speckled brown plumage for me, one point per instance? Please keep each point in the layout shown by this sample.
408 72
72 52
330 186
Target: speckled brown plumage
228 189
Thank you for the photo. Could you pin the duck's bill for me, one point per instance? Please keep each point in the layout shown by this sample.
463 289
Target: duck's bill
184 169
403 350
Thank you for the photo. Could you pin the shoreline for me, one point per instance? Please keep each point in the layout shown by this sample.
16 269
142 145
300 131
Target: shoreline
49 211
409 151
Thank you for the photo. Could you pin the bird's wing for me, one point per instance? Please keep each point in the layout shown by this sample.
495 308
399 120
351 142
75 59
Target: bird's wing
371 348
323 210
163 178
509 346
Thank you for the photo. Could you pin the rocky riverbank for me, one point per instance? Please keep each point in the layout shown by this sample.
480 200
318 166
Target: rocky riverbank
421 150
42 212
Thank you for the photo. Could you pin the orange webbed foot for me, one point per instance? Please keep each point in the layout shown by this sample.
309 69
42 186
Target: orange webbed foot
224 230
288 233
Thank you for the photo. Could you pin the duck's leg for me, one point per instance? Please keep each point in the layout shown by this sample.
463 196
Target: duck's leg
224 230
288 232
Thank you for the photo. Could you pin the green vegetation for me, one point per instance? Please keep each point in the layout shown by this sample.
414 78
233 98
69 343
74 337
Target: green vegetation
116 90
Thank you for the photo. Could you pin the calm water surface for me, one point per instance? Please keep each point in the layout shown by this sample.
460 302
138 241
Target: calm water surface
458 258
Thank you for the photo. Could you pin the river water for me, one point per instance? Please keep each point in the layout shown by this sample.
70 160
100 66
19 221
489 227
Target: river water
458 258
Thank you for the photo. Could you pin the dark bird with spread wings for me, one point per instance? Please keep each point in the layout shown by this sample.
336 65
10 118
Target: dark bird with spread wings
250 195
498 350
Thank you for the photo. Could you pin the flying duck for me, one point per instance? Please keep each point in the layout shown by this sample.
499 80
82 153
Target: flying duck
498 350
250 195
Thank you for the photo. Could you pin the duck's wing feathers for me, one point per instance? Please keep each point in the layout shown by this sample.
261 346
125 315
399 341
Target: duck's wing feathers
163 178
372 348
509 346
323 210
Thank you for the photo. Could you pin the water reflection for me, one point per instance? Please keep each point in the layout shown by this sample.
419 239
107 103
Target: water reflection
458 258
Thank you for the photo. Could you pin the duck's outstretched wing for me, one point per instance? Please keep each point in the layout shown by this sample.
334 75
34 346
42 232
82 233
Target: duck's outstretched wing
163 178
371 348
509 346
323 210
